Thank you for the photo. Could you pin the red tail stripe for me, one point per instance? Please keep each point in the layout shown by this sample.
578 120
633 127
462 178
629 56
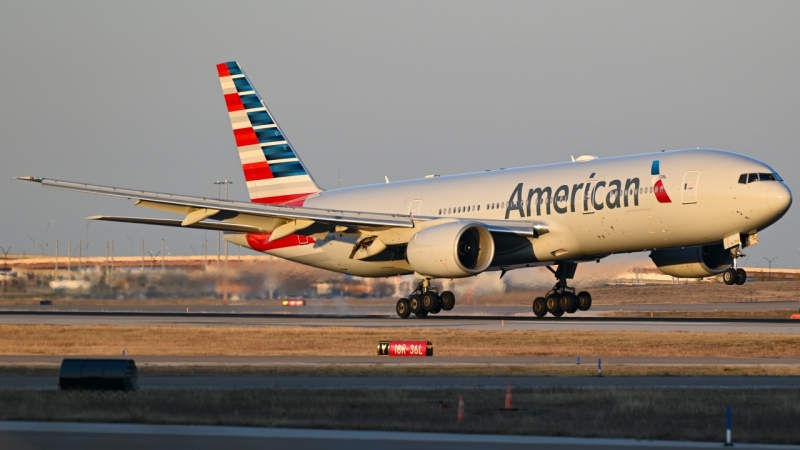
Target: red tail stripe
222 70
234 102
245 136
288 200
257 171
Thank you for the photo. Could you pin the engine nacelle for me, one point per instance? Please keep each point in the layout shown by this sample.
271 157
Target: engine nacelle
451 250
693 262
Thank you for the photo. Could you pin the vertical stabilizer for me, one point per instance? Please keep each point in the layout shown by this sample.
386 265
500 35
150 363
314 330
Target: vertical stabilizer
272 169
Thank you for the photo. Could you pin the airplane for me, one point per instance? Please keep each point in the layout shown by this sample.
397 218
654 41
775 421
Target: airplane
694 210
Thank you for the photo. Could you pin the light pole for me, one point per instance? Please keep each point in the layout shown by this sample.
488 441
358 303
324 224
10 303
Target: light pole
770 265
5 267
34 243
219 233
87 238
47 244
126 236
5 256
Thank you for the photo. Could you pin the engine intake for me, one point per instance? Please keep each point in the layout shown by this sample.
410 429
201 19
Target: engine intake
451 250
693 262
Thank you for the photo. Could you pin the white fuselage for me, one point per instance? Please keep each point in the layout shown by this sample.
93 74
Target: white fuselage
592 209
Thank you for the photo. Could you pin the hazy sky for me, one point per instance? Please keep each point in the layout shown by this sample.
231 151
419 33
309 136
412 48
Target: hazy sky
127 94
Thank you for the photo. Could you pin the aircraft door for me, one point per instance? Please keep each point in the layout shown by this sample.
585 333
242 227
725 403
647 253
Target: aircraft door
689 187
415 207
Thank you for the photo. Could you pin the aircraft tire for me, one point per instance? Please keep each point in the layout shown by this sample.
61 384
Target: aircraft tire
539 306
448 300
558 312
415 302
584 300
741 276
729 276
551 303
431 302
567 302
422 314
403 308
573 303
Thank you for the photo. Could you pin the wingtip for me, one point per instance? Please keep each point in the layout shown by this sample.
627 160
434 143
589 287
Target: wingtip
34 179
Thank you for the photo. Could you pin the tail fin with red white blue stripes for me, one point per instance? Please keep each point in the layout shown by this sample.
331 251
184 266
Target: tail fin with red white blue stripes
272 169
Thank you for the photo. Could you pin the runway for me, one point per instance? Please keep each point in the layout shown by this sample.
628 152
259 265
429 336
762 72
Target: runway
90 436
427 383
479 322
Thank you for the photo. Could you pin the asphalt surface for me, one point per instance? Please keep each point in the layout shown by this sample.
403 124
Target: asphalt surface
480 322
273 361
427 383
55 435
386 308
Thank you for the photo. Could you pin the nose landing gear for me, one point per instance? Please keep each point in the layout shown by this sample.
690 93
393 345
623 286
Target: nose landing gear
562 298
734 275
425 300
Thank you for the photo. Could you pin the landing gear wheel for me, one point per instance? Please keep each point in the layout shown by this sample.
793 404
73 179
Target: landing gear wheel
448 300
539 306
573 306
741 276
403 308
422 314
729 276
431 302
558 312
415 301
551 302
584 301
567 302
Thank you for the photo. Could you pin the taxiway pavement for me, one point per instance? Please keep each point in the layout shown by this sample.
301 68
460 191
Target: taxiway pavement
427 383
90 436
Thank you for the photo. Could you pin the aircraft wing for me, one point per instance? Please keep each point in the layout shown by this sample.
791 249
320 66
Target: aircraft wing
249 217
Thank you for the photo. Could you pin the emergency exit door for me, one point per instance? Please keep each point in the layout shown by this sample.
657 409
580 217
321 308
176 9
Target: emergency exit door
689 187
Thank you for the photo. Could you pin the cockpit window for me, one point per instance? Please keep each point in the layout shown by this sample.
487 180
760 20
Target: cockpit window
766 177
753 177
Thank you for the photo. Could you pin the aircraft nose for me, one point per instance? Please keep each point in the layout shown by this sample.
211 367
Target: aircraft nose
779 198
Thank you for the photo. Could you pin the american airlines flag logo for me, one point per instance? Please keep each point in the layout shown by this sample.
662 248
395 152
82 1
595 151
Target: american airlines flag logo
658 183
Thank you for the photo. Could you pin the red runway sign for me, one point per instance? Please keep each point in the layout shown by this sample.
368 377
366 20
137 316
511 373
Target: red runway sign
405 348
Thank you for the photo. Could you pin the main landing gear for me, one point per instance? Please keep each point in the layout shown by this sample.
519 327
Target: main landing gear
425 300
562 298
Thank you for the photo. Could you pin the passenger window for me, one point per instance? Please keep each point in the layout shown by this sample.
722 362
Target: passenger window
752 178
743 178
479 207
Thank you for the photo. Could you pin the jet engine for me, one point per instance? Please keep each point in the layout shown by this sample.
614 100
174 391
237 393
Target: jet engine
693 262
451 250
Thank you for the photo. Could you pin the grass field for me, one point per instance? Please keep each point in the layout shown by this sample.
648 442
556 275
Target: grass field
587 369
106 340
759 415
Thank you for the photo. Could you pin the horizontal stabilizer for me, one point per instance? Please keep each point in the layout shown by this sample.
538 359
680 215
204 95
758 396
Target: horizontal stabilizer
216 226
